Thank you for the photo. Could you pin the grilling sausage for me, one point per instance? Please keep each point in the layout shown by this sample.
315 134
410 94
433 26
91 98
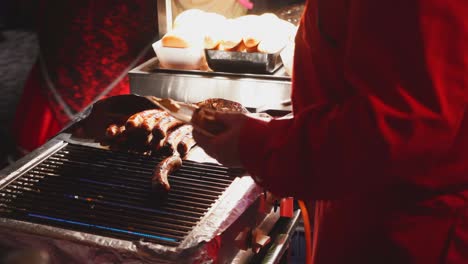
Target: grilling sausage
139 129
112 131
164 126
116 137
153 120
185 144
169 146
139 118
159 181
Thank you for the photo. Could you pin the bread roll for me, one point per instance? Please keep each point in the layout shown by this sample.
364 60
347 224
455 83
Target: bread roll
252 49
288 29
182 37
189 18
284 33
215 24
212 41
252 30
239 48
173 40
267 24
232 35
272 44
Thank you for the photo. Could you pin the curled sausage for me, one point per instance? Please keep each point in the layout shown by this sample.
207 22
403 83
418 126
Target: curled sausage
185 144
160 181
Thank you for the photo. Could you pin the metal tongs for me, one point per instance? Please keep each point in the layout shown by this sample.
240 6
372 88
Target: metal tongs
201 119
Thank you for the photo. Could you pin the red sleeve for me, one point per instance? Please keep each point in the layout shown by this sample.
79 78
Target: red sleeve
407 62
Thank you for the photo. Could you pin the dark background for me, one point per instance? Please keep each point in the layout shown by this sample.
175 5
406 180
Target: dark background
18 52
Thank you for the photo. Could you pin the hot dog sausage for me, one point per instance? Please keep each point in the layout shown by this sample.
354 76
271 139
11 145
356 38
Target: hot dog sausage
139 118
159 181
164 126
185 144
169 145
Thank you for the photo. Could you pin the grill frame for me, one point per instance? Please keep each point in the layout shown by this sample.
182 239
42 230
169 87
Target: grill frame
216 215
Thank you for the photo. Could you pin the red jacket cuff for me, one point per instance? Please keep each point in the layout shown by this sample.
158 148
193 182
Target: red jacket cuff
253 137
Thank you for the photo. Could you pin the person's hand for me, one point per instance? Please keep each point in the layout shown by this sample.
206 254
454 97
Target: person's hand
224 146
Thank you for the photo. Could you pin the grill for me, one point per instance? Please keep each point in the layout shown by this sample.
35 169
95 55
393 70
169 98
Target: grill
82 201
108 193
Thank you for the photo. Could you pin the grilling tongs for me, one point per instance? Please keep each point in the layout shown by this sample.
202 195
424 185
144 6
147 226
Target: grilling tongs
201 119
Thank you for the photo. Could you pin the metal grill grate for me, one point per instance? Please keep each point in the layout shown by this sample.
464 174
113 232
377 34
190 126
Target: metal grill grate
108 193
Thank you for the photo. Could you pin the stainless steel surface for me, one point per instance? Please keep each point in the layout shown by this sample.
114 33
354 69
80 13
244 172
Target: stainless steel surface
12 172
252 91
281 240
281 235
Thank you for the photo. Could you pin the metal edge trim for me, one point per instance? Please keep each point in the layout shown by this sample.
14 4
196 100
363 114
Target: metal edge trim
135 72
225 198
280 245
26 163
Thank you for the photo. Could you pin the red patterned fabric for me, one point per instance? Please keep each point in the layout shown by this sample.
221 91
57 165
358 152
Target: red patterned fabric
85 45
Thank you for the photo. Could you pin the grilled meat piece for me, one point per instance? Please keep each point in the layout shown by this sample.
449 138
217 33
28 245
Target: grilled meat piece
139 129
186 144
222 105
164 126
112 131
145 119
169 146
160 181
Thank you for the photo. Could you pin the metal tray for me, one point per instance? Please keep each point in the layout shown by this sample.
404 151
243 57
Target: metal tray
154 66
243 62
252 90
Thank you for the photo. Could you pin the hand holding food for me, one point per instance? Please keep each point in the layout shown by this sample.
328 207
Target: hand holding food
156 132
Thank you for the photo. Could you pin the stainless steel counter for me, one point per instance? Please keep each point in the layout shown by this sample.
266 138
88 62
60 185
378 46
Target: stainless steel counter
252 90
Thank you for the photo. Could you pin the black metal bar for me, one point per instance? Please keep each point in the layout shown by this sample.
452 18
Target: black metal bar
104 214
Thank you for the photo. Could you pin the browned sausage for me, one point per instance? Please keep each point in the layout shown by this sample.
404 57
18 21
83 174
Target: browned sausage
134 141
139 118
159 181
185 144
113 134
121 135
153 120
112 131
164 126
139 127
116 137
169 146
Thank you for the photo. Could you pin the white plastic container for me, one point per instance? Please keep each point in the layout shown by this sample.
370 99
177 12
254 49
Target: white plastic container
191 58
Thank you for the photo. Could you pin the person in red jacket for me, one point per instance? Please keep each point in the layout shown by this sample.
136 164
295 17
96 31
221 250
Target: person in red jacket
379 137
